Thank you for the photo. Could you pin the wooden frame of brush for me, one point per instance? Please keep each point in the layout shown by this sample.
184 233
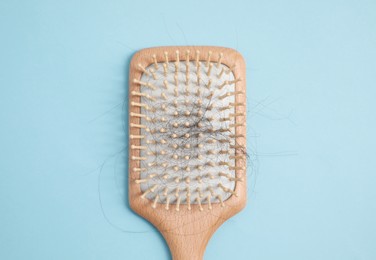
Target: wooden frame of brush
187 232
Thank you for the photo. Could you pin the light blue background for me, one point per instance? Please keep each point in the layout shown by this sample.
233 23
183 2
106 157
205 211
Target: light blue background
312 104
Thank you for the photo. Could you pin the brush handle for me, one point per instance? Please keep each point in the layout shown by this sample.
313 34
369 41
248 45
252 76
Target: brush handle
187 247
187 232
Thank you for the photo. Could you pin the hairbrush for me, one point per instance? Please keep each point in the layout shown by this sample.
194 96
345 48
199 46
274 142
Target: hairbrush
187 142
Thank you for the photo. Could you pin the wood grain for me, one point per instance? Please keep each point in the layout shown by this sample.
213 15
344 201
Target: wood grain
186 232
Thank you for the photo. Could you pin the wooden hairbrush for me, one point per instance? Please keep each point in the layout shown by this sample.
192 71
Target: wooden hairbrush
187 142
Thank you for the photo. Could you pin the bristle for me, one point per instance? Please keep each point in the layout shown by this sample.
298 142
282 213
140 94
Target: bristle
176 79
225 189
152 189
135 93
165 84
236 168
141 181
177 202
137 115
236 104
228 176
187 67
135 169
143 69
209 69
220 56
188 196
236 114
229 94
137 158
208 59
136 136
219 197
153 74
221 73
155 61
136 104
199 203
167 207
136 147
209 83
165 69
146 179
235 125
155 201
209 201
198 73
197 57
166 57
199 191
198 92
137 125
231 69
237 157
223 84
177 57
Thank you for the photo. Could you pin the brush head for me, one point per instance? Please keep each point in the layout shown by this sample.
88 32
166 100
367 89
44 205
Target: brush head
187 127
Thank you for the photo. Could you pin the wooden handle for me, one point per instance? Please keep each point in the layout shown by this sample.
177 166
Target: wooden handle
187 247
